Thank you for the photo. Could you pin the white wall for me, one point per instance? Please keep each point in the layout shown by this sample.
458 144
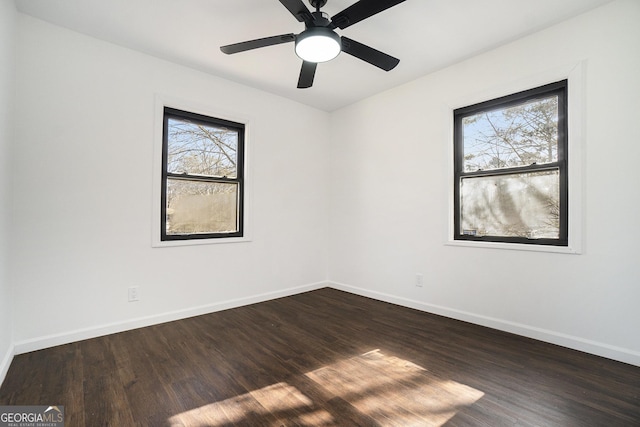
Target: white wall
8 18
81 205
390 173
82 202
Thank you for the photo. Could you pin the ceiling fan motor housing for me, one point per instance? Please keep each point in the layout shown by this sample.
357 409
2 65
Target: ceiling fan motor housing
318 3
320 19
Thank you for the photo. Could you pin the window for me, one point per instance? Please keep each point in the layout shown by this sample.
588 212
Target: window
510 157
202 177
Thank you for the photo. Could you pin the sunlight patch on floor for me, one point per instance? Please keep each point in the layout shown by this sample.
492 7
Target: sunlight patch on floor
388 389
273 399
394 391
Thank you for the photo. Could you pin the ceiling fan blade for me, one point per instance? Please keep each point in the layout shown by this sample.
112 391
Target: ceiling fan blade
255 44
361 10
369 54
307 73
298 9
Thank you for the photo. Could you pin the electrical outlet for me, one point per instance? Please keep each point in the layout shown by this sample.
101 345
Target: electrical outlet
134 294
419 280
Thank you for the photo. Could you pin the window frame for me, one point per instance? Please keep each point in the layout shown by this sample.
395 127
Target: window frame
559 88
239 180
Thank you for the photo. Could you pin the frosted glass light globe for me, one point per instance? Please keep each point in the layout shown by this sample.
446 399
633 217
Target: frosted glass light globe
318 44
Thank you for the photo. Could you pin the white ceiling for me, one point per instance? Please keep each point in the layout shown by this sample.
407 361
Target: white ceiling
426 35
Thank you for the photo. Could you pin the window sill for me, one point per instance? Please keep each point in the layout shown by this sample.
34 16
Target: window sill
515 247
195 242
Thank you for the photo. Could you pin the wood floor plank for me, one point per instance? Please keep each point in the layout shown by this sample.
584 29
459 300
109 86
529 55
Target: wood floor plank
324 358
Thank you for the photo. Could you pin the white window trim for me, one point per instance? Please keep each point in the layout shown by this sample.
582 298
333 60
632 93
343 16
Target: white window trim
162 101
575 75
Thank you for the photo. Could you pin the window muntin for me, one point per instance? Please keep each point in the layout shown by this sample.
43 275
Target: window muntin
202 182
511 168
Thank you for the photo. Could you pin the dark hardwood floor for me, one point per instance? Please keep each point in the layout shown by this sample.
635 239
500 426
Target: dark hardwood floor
324 358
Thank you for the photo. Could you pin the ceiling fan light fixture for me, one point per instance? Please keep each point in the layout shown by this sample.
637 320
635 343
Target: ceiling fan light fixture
318 44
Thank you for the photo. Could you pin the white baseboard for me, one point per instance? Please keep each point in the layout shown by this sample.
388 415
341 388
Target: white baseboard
573 342
576 343
6 362
112 328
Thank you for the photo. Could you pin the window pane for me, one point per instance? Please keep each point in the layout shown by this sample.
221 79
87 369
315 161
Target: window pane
518 205
198 149
519 135
201 207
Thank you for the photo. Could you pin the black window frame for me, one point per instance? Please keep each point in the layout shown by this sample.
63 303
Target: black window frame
173 113
560 89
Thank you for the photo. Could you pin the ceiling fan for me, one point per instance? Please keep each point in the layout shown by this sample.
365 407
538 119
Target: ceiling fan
319 42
